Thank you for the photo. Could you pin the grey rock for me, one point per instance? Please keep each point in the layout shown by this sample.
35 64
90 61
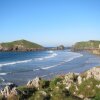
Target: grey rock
34 83
79 79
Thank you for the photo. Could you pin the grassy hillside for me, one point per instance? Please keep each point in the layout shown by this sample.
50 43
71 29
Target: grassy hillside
87 44
24 43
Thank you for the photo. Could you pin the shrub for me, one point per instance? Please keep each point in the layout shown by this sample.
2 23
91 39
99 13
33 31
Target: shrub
26 92
88 88
54 82
97 97
44 83
39 96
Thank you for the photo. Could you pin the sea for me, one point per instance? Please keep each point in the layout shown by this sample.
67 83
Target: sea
20 67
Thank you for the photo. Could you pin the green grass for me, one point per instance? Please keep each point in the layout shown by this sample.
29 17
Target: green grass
88 88
87 44
28 92
97 97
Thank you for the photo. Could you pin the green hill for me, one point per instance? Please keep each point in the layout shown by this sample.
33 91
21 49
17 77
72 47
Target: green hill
86 45
19 45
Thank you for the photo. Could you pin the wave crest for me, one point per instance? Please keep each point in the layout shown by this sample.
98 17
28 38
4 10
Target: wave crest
63 62
16 62
3 73
47 57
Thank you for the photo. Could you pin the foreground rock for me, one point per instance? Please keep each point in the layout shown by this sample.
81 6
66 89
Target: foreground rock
34 83
93 73
9 90
72 86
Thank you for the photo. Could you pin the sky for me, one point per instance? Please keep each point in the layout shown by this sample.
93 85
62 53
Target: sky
50 22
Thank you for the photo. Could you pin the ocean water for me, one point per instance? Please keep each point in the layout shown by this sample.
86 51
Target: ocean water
20 67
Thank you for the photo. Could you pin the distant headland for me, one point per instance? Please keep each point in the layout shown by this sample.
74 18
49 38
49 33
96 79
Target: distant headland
20 45
24 45
92 46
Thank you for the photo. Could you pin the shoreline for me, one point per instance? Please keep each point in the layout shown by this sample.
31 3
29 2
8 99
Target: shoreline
51 75
66 80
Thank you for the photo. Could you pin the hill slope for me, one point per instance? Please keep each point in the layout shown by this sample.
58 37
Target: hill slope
19 45
92 44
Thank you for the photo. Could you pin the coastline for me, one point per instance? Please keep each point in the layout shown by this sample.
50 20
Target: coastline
68 81
49 71
61 70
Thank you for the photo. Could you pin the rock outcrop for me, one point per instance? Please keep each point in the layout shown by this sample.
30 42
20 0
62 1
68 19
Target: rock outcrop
10 90
61 47
79 79
82 86
93 73
69 79
34 83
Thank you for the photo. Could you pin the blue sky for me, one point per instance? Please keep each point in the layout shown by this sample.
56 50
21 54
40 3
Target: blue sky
50 22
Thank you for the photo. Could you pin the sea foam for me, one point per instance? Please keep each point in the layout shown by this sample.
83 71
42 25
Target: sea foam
3 73
77 55
15 62
52 54
25 61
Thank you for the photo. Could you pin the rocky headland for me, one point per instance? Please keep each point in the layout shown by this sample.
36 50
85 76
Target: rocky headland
92 46
20 45
24 45
71 86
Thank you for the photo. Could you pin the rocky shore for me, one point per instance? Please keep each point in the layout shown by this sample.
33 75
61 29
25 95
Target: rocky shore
72 86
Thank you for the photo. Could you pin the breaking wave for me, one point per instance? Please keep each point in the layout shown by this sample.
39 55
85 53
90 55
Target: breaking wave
47 57
50 51
25 61
16 62
68 60
3 73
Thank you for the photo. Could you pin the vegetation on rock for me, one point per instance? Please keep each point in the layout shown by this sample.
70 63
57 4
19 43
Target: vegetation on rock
65 87
86 45
20 45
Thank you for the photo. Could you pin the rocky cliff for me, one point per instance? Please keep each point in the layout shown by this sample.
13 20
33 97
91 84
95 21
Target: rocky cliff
72 86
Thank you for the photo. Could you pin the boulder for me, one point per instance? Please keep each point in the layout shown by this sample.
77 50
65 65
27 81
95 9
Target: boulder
87 99
79 79
34 83
81 96
69 79
9 89
98 86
